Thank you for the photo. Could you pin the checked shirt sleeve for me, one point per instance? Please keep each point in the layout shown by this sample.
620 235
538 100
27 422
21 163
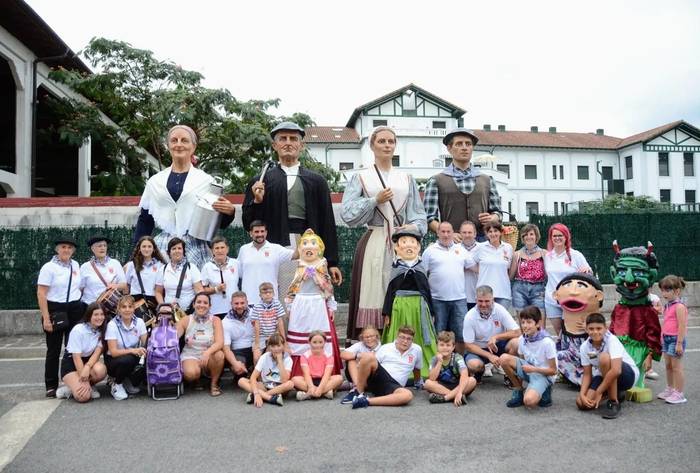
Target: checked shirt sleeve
430 200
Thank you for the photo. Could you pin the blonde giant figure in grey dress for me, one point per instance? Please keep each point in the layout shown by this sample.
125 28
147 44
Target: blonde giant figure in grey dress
368 200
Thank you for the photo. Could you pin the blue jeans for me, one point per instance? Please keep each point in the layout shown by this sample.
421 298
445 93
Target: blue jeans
668 345
503 301
449 315
527 293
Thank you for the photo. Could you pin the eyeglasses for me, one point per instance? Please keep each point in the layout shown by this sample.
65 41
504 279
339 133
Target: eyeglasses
405 338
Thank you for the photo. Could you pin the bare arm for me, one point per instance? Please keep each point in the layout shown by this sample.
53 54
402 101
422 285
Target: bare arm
41 292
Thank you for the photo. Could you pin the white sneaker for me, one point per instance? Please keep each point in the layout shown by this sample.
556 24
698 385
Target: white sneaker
118 392
676 397
63 392
487 371
498 370
302 396
94 394
665 393
329 394
651 374
130 388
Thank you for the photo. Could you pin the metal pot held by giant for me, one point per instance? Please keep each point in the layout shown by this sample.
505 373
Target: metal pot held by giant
205 220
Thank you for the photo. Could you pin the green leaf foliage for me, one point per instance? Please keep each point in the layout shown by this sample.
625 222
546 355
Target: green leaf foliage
143 97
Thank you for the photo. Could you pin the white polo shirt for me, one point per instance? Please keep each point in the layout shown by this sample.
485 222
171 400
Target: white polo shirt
212 276
169 278
611 345
257 266
478 330
360 347
238 333
83 339
494 264
470 277
56 277
149 276
559 266
130 335
92 285
400 365
446 270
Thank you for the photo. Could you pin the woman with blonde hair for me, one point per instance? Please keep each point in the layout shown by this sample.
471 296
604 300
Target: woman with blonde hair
385 200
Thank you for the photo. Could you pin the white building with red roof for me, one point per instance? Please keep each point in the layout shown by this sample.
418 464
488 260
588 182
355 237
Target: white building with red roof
536 170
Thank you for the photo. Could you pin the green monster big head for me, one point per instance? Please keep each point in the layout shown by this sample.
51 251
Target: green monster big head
634 271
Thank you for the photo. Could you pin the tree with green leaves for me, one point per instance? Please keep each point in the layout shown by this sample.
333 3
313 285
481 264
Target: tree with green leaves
623 203
143 97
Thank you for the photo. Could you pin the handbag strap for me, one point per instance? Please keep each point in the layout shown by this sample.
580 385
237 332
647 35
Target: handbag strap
138 276
99 274
70 279
182 279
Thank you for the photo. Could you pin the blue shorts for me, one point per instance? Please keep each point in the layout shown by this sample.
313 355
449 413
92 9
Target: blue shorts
501 345
527 293
624 382
449 315
553 311
668 345
535 381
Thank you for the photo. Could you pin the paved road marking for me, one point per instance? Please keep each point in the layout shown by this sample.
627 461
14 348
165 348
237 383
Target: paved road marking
22 359
21 385
19 425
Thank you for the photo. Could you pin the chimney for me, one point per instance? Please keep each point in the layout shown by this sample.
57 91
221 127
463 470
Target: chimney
487 127
501 128
552 129
533 129
600 132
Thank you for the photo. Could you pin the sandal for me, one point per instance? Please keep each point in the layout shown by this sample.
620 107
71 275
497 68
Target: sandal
215 391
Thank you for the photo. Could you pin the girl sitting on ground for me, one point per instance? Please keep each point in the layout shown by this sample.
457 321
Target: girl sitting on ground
317 368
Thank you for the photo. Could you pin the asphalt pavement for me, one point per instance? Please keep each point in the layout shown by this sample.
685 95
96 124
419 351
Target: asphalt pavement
201 433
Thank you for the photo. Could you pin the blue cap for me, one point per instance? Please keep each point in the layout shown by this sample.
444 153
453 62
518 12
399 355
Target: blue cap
287 126
460 131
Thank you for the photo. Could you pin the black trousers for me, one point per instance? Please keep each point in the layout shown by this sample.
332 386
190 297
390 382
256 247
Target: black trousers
55 340
122 367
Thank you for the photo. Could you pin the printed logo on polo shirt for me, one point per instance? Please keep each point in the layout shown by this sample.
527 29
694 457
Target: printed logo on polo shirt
457 251
111 270
267 253
233 270
75 273
411 358
497 323
155 269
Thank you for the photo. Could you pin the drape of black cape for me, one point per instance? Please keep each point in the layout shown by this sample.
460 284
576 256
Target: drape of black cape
404 278
273 209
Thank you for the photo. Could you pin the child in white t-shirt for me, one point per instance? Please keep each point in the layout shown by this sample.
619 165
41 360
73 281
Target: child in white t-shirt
369 343
536 364
274 368
607 368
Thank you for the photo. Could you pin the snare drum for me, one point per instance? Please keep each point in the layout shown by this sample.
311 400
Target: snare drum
109 301
143 311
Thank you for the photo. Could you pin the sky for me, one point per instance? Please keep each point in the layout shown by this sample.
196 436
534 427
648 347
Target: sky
622 66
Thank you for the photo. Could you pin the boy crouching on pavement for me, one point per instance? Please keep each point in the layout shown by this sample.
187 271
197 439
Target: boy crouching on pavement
537 364
607 368
449 378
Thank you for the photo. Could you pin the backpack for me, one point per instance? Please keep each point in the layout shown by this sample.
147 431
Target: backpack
163 368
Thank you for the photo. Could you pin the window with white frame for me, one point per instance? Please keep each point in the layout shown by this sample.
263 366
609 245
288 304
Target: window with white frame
663 164
582 172
532 208
530 171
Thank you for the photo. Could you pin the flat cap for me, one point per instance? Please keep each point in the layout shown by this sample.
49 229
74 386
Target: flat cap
460 131
406 232
287 126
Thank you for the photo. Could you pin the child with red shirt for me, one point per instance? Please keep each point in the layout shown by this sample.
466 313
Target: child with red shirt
317 368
